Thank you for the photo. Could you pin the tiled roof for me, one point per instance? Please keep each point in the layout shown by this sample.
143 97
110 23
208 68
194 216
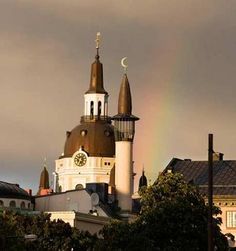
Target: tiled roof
8 190
224 174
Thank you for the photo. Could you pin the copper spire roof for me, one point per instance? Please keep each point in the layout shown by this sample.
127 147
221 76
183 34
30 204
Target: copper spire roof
44 180
125 100
96 80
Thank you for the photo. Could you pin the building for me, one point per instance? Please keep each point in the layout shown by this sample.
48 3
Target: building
95 150
224 184
96 166
14 198
80 208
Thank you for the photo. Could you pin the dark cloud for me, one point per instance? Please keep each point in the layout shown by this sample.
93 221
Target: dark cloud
181 57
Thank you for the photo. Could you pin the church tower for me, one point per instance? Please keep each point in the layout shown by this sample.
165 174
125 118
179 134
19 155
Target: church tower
124 123
89 152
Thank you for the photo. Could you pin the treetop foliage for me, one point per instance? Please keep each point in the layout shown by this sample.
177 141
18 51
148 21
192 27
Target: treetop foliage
52 235
173 217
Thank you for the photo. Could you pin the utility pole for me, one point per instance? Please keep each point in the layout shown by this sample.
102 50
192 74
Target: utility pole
210 191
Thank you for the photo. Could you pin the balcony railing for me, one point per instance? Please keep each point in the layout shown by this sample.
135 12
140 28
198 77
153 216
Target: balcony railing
93 118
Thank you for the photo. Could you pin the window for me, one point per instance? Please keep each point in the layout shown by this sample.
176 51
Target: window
28 205
22 205
91 109
1 203
99 108
231 219
12 204
79 187
83 132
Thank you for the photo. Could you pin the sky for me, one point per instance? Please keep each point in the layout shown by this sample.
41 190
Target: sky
182 72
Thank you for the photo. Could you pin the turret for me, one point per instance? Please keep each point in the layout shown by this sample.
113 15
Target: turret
142 181
44 182
124 123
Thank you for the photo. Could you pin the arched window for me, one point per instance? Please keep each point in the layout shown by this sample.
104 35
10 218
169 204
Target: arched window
12 204
29 205
22 205
1 203
91 109
99 108
79 187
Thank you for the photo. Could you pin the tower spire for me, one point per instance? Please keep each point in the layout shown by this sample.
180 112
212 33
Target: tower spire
96 80
125 100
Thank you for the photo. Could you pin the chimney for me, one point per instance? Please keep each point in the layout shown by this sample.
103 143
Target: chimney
218 156
29 191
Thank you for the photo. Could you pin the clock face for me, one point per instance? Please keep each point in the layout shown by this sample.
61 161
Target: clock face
80 159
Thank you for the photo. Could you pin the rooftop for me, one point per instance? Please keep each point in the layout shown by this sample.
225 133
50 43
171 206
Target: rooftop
9 190
224 174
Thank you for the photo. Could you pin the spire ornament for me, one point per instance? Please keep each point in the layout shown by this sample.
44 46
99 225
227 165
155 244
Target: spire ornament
45 162
97 41
125 66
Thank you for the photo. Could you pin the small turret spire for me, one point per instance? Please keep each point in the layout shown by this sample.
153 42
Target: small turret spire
44 178
142 180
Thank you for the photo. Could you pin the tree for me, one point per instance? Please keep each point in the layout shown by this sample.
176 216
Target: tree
9 239
51 235
173 217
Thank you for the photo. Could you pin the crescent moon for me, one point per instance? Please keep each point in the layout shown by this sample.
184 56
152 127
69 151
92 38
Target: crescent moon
123 62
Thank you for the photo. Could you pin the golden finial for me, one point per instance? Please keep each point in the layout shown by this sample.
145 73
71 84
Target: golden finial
125 66
97 40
